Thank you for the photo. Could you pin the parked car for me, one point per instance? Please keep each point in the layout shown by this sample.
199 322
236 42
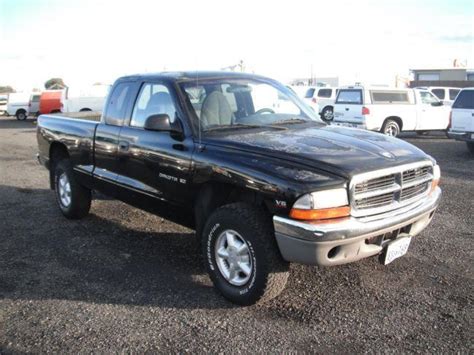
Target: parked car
88 99
446 94
33 105
263 184
390 110
51 101
18 105
462 118
3 104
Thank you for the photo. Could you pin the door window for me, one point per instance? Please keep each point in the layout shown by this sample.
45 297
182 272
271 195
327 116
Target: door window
439 93
427 97
117 104
153 99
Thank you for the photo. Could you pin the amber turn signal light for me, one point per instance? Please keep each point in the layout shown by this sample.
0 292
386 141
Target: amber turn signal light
325 213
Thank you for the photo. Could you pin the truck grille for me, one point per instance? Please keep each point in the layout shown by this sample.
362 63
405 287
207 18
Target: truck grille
385 190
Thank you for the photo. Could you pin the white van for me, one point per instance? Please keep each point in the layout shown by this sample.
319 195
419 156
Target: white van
87 99
18 105
322 99
390 110
462 118
3 104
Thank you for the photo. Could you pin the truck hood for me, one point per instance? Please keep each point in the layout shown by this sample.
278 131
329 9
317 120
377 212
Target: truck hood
341 151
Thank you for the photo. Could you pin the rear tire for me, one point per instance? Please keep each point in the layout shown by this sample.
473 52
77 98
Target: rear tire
242 256
74 200
327 114
391 128
470 147
21 115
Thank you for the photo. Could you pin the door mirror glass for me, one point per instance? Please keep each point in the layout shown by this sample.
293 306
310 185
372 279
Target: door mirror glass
158 122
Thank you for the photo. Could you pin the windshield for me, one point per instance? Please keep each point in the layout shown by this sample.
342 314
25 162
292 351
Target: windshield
244 103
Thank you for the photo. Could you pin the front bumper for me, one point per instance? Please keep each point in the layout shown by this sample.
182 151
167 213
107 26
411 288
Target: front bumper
461 136
349 239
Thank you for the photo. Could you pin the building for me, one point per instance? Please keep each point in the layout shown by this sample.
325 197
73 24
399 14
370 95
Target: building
326 81
451 77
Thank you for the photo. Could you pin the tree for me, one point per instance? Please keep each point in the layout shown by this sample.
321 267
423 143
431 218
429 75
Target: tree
54 83
6 89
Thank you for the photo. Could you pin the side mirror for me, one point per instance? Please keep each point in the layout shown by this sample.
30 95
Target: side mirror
161 122
436 104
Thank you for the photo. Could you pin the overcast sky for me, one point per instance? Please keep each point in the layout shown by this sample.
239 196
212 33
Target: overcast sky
87 41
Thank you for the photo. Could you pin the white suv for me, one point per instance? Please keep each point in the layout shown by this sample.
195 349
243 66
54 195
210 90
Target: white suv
323 98
462 118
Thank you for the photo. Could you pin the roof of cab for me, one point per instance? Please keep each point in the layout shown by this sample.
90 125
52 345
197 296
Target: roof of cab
191 75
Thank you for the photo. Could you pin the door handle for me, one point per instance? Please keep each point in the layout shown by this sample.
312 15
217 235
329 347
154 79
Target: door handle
347 109
123 145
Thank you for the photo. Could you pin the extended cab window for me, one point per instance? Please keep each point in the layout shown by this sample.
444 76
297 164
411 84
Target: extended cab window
453 93
399 97
351 97
153 99
117 105
439 93
465 99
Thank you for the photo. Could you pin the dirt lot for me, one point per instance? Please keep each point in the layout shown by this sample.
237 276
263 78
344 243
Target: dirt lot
125 280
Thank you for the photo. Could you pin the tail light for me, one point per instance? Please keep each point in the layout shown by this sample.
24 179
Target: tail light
365 111
314 100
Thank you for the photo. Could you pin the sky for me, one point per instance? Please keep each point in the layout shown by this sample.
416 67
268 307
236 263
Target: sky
89 41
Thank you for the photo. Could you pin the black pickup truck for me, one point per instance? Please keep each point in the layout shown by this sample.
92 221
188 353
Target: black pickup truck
243 161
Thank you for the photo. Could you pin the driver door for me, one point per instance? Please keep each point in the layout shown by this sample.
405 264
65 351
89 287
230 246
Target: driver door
431 115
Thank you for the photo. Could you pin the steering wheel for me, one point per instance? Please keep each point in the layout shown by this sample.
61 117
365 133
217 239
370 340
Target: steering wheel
264 110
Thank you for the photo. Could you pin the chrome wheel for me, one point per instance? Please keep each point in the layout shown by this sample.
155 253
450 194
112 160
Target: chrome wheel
391 129
233 258
328 115
64 190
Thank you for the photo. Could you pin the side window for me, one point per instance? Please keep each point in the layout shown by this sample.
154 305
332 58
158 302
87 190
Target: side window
465 100
453 93
427 97
439 93
117 105
153 99
325 93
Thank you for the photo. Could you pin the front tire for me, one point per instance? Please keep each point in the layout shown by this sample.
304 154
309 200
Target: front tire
74 200
242 256
391 128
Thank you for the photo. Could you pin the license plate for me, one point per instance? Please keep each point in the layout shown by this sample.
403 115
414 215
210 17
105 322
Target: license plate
345 124
396 249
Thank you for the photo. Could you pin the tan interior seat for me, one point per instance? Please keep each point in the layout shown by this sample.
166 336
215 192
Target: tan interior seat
216 110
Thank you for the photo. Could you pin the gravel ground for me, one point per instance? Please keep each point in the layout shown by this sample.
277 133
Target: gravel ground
124 280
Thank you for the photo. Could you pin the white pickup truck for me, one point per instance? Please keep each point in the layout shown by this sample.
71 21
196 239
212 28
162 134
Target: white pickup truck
390 110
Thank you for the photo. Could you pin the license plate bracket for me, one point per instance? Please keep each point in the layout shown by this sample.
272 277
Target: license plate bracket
396 249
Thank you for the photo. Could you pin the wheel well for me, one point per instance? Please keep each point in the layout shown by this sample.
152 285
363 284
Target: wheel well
396 119
57 152
20 110
85 109
55 111
212 196
328 106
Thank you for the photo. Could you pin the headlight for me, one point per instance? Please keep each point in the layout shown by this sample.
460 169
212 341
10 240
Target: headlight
321 205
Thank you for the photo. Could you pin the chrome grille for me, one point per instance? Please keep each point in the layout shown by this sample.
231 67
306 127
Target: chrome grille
388 189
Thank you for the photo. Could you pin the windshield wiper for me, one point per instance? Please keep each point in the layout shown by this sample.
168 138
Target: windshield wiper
290 120
237 126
